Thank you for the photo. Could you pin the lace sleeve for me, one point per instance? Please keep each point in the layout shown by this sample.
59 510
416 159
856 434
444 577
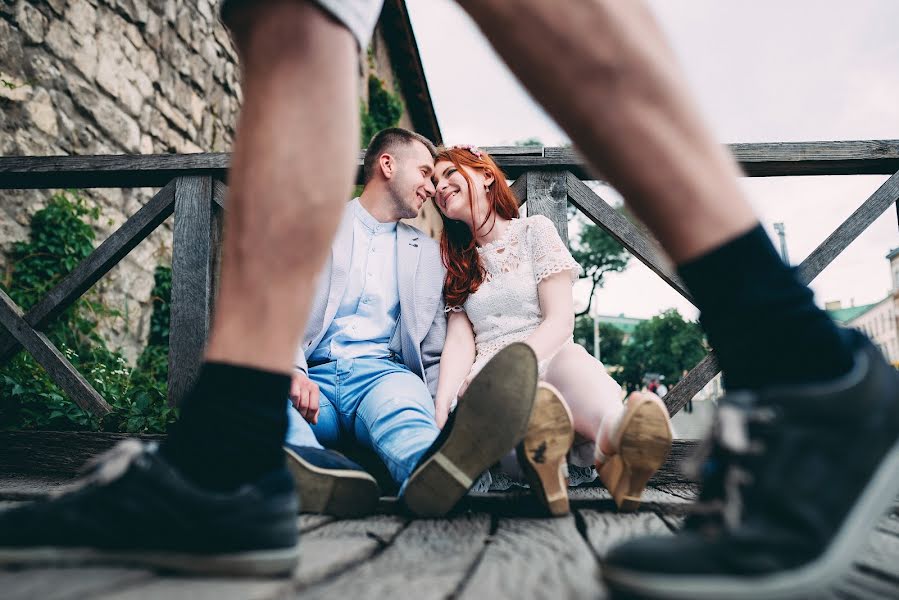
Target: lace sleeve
547 250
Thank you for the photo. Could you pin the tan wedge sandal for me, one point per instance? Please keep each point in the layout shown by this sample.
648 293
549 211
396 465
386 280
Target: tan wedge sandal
643 439
542 453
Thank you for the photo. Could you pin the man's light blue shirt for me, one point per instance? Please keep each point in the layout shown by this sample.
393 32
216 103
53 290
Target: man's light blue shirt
367 315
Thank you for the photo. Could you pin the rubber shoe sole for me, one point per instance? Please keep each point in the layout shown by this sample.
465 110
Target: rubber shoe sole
491 419
338 492
261 563
817 576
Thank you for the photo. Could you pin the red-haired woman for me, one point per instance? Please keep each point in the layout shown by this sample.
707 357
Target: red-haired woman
509 280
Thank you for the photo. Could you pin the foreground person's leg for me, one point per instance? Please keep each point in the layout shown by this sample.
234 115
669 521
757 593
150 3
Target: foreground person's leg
603 72
201 505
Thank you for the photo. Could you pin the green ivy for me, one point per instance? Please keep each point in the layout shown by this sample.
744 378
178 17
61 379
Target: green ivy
384 109
61 237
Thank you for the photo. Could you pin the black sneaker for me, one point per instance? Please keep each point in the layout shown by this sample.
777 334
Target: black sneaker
807 472
135 509
490 420
329 483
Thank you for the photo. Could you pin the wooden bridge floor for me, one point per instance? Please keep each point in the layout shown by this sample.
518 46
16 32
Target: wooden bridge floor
495 546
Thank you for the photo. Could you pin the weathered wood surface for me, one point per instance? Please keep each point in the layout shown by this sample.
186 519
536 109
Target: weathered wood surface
91 269
886 195
479 554
547 195
638 243
690 385
156 170
64 452
54 452
428 559
193 267
535 558
62 372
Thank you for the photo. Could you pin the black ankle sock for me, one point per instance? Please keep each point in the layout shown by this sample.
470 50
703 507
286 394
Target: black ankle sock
760 318
231 428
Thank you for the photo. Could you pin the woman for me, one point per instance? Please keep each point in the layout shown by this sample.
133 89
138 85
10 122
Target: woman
509 279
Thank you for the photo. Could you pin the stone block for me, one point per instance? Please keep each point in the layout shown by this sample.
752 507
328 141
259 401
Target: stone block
146 144
11 49
82 16
32 23
14 88
42 112
174 116
152 31
148 63
184 23
83 54
120 127
136 10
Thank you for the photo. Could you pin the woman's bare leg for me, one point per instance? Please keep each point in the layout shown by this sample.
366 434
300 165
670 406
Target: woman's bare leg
592 395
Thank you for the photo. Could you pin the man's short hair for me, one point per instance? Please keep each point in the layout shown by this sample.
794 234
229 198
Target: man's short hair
387 140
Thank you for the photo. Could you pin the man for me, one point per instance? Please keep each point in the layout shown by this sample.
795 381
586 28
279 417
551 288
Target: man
368 365
603 71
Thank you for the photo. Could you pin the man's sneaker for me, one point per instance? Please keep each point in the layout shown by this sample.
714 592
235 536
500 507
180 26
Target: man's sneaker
805 471
329 483
135 509
490 420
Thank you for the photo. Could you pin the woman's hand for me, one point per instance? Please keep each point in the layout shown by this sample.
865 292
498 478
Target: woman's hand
441 412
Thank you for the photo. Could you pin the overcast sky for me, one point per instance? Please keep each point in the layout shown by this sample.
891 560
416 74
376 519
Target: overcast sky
762 71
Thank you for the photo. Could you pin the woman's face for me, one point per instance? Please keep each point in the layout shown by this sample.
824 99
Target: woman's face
453 196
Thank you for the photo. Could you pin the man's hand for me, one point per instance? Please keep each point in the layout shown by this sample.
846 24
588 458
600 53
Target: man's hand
304 396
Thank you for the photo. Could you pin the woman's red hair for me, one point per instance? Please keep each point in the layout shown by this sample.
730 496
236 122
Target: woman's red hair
464 271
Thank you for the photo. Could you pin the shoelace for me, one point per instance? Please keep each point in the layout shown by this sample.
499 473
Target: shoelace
108 466
724 460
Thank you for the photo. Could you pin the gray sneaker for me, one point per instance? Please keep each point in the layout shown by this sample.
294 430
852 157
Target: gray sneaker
135 509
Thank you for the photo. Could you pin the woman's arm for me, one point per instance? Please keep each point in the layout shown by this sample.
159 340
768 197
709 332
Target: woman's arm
557 306
455 362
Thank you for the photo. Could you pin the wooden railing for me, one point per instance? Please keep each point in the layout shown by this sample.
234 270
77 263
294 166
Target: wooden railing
193 188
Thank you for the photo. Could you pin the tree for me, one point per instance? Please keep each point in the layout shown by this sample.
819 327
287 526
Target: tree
598 253
665 344
611 339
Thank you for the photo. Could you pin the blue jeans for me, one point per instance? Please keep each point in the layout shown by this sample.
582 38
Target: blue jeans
374 402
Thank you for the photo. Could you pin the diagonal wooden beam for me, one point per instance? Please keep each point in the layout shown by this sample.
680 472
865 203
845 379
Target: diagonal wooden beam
690 385
58 367
851 228
646 249
95 266
520 188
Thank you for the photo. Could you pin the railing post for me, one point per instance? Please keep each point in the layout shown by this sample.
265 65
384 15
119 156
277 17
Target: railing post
193 266
547 195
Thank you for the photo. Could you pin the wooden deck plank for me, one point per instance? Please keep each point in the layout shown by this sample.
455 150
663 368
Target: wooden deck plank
196 588
535 558
428 559
340 545
65 584
605 530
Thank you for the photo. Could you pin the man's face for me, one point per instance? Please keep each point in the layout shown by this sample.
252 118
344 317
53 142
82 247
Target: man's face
411 185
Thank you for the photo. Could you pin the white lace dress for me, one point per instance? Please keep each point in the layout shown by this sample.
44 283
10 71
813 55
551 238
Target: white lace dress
506 309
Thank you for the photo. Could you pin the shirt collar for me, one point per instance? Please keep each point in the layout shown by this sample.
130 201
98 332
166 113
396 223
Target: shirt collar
369 222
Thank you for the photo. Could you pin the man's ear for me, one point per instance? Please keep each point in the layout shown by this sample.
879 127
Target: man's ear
387 164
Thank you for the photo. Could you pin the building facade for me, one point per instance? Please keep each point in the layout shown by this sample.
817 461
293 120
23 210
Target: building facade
146 77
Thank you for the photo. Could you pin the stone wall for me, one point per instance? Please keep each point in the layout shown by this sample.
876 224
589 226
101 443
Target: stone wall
113 77
117 77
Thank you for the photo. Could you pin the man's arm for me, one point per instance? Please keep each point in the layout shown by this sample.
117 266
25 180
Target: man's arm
432 347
